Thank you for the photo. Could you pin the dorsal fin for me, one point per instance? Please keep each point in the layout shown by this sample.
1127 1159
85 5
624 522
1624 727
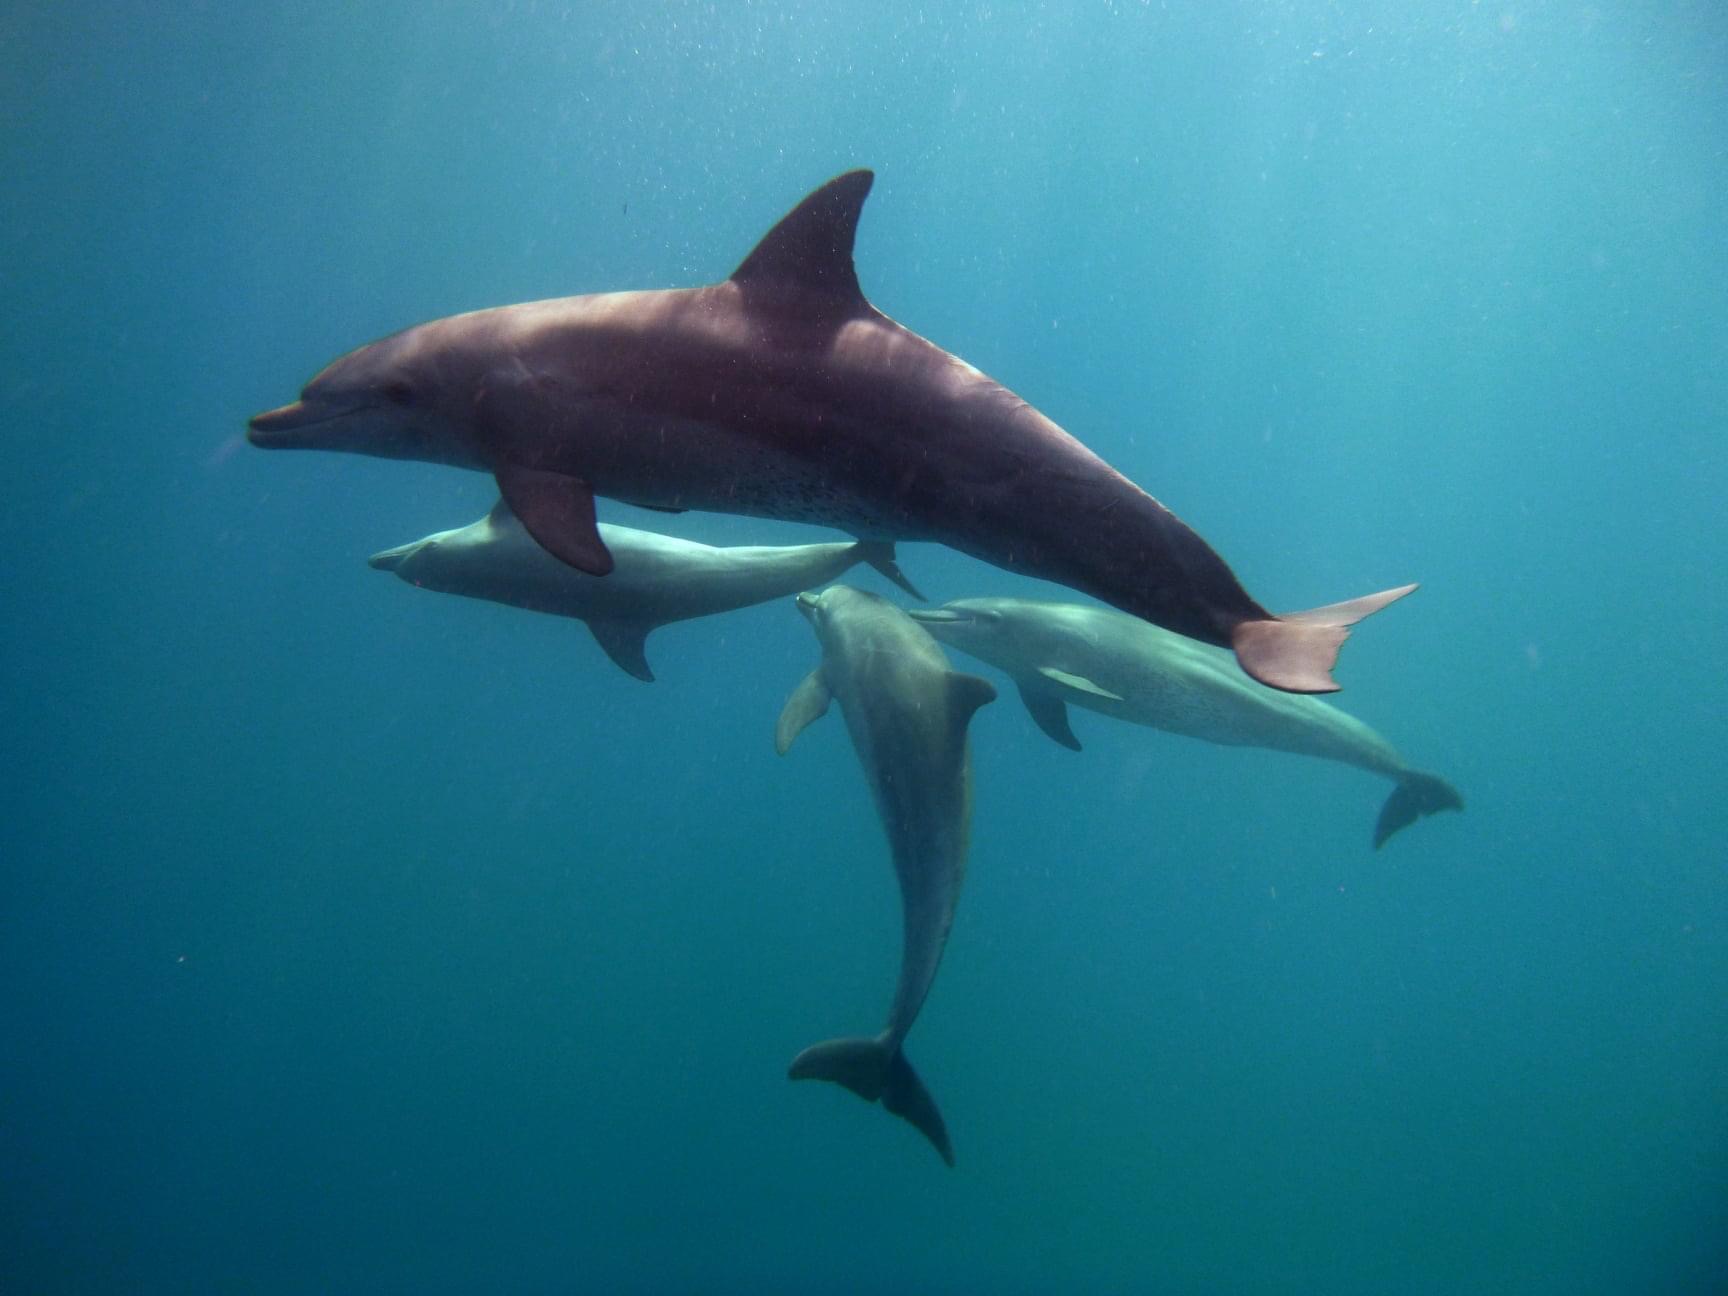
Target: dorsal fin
969 692
811 247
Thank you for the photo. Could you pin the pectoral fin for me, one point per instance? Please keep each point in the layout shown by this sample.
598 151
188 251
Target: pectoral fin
558 511
626 643
1048 711
808 703
1077 682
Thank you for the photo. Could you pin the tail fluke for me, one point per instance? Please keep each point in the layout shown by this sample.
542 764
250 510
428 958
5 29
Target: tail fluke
1416 796
880 555
908 1099
877 1072
1296 651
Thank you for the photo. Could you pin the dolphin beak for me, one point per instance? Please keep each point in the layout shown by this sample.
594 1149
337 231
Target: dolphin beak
937 616
287 428
273 422
390 559
807 603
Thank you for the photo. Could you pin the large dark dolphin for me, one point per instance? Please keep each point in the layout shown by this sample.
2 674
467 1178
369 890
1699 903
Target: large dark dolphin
1062 653
658 579
907 712
783 393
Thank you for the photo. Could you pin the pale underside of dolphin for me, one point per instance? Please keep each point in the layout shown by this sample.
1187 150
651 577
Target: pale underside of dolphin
907 712
658 579
781 392
1062 654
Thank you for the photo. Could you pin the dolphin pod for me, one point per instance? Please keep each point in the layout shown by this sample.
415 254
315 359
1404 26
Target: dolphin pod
907 712
783 393
658 579
1063 653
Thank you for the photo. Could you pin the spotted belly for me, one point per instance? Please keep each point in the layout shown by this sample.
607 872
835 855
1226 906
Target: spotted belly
713 469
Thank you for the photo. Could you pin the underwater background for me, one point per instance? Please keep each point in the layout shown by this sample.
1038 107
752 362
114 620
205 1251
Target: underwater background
358 939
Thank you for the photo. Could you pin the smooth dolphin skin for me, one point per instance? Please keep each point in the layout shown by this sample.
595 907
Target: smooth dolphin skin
658 579
907 712
783 393
1062 653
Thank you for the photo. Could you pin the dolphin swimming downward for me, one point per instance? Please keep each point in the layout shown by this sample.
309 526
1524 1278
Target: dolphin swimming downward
658 579
783 393
907 712
1060 653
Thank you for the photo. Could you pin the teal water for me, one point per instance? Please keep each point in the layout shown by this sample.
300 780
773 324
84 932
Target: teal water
358 940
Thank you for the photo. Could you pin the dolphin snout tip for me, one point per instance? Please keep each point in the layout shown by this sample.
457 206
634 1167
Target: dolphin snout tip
388 559
269 430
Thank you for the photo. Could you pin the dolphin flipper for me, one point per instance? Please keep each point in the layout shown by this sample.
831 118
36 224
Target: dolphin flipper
808 703
1050 714
626 643
1417 795
1296 651
869 1069
558 511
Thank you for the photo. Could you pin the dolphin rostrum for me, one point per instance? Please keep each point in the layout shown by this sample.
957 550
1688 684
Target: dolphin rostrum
907 712
1060 653
783 393
658 579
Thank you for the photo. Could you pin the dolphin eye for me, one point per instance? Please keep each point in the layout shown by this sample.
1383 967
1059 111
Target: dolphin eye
399 393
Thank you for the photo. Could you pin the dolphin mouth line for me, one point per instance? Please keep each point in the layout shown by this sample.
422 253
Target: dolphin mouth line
295 418
390 559
939 616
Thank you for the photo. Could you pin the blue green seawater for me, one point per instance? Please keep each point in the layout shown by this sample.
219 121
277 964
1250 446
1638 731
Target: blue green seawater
354 939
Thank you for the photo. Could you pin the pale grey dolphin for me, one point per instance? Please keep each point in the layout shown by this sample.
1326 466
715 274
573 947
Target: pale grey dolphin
783 393
907 712
658 579
1060 653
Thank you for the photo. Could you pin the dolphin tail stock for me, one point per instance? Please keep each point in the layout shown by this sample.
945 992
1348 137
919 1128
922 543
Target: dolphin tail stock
880 555
1417 795
1295 652
877 1071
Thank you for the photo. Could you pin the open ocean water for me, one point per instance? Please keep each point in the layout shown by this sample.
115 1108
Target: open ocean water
356 939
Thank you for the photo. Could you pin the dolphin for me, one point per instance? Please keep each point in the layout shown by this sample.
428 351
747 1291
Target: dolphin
781 392
1061 653
907 712
658 578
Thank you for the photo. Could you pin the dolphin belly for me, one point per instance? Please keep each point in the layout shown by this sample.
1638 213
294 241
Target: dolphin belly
656 461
